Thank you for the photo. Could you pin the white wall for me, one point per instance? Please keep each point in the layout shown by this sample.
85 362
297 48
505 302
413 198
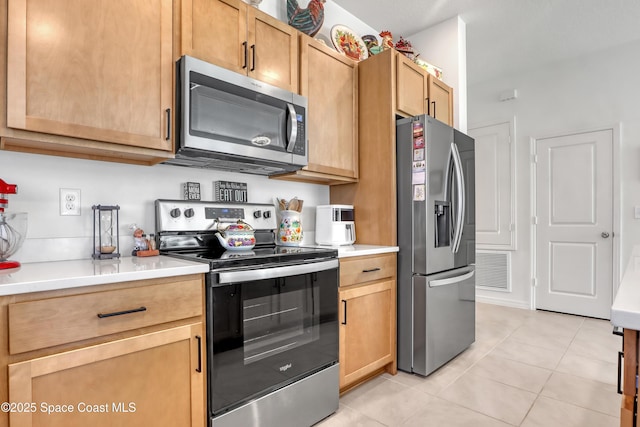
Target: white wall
592 92
445 46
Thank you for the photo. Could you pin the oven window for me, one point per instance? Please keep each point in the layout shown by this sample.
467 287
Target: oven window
265 334
280 322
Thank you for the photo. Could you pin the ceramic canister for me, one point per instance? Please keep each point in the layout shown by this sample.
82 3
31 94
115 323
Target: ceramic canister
289 229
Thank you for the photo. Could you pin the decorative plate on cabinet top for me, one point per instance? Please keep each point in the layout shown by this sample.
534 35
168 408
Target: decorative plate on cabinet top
347 42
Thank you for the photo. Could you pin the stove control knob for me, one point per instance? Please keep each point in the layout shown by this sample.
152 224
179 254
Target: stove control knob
266 214
175 213
257 214
189 213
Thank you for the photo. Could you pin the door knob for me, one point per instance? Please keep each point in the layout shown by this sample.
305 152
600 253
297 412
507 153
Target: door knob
604 234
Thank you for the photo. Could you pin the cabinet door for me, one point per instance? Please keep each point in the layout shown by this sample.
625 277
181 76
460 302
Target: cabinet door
215 31
440 101
273 50
367 329
411 87
330 82
154 379
100 71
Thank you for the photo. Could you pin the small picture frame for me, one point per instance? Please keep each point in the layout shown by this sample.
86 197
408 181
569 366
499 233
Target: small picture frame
191 191
229 191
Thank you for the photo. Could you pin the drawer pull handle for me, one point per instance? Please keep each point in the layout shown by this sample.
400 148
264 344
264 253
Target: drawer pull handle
199 368
120 313
371 270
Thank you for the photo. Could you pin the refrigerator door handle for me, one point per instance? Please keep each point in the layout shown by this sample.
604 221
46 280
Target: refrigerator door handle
448 194
459 214
451 280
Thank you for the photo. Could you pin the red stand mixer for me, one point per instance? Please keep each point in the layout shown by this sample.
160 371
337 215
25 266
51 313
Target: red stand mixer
13 228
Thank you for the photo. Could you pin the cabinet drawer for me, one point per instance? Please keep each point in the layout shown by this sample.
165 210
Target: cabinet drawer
53 321
367 268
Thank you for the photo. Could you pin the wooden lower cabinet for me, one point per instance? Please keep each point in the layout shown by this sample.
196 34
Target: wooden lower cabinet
628 409
140 381
136 368
367 321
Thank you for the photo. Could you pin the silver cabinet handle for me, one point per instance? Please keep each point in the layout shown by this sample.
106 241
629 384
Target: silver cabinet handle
604 234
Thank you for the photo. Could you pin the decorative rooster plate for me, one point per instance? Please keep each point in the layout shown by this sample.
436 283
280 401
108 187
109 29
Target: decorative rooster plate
347 42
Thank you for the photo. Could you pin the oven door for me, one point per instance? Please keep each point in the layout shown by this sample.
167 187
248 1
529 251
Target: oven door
269 327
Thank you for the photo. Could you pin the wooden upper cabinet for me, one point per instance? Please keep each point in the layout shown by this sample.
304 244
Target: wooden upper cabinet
440 101
330 83
99 71
418 92
412 87
232 35
272 51
216 32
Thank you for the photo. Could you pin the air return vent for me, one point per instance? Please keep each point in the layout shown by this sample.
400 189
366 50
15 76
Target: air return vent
493 270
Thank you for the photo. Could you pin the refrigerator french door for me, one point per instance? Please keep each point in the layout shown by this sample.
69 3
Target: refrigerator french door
436 236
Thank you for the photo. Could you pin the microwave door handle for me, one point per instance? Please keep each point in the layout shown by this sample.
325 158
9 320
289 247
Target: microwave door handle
292 127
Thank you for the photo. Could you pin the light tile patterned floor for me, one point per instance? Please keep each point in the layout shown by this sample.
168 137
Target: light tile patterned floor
526 368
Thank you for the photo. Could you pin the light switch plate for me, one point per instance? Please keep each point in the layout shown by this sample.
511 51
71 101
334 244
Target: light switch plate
637 212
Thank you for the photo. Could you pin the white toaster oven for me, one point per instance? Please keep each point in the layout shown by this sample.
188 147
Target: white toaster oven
335 225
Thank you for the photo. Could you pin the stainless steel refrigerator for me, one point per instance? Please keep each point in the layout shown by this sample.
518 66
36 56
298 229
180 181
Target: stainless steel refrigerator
436 236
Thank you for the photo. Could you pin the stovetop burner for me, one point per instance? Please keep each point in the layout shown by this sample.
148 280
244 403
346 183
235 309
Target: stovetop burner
219 258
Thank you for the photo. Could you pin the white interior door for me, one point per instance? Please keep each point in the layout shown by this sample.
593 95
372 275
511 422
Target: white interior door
574 232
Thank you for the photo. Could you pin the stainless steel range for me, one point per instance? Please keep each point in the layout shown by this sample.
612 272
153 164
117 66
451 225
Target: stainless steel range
271 316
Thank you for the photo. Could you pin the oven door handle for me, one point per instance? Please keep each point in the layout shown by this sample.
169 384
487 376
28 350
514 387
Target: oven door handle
271 273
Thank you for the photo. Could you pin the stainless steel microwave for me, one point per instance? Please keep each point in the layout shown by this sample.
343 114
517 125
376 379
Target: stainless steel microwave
232 122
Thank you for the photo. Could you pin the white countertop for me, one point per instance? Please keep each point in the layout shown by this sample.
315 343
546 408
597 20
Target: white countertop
625 311
361 250
47 276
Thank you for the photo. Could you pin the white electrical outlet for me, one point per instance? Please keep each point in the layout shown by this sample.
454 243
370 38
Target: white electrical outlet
69 201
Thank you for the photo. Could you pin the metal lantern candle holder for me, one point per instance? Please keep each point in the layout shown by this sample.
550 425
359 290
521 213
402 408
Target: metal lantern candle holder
106 234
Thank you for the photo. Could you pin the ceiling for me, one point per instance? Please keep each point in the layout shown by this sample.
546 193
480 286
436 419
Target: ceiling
506 36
